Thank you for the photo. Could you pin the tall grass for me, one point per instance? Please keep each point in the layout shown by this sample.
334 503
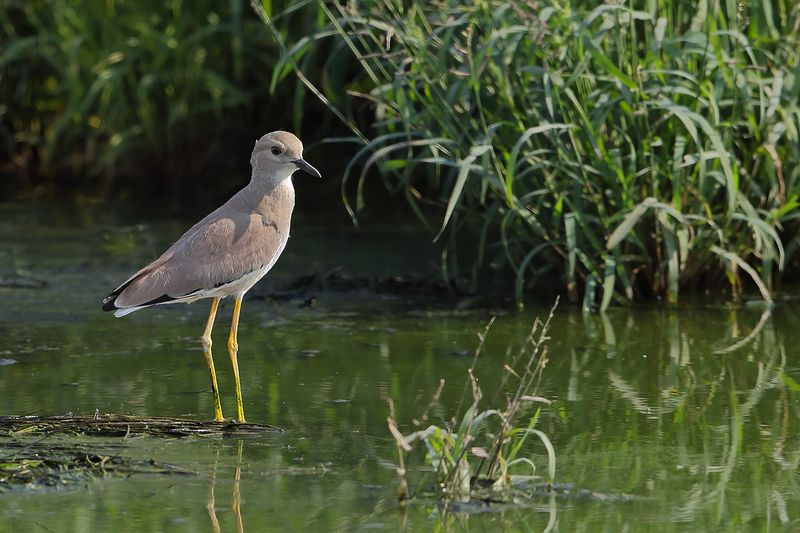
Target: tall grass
94 87
626 150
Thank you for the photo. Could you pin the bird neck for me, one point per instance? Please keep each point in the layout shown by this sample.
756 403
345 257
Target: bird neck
268 194
267 178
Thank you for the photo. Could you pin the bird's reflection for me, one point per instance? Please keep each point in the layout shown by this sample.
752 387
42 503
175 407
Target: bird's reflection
236 500
236 496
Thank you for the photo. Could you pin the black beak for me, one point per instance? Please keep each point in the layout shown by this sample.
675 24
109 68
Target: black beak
303 165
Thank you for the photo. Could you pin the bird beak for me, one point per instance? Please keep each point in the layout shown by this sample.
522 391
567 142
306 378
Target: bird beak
302 164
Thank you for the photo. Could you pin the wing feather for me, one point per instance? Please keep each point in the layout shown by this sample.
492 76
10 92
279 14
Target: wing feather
214 252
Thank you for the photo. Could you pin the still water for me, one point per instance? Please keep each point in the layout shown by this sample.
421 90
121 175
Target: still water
693 413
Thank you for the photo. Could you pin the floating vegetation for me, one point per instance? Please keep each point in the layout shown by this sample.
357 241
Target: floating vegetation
337 281
127 426
21 281
44 466
565 491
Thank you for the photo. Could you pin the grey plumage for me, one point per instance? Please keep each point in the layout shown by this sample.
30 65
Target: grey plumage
228 251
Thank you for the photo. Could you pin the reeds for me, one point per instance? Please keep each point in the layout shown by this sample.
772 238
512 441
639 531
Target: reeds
625 150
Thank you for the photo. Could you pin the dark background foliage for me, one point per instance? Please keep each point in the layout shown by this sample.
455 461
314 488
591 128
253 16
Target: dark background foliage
618 151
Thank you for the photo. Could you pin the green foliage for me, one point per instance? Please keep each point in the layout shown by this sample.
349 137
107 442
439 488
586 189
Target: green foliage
92 86
628 149
480 453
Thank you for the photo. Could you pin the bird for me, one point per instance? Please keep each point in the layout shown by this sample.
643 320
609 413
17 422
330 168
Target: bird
226 253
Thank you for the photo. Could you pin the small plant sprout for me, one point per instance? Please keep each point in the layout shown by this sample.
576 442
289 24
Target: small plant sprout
481 453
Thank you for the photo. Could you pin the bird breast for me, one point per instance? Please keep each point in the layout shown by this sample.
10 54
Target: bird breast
246 282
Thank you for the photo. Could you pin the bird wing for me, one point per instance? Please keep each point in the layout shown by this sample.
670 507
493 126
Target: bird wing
215 253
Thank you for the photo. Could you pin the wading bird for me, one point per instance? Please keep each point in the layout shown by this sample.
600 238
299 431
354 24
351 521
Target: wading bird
227 252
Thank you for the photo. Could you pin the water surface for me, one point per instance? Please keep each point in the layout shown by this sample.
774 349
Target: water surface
694 411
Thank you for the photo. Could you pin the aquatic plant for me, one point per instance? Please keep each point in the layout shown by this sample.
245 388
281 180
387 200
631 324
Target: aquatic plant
480 452
626 151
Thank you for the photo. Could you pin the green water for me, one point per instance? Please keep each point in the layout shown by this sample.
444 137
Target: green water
695 412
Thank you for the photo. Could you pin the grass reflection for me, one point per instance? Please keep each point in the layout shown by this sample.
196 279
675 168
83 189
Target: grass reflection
699 419
693 412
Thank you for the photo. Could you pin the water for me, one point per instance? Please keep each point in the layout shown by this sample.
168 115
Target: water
694 412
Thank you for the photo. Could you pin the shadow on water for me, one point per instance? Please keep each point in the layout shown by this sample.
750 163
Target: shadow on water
693 412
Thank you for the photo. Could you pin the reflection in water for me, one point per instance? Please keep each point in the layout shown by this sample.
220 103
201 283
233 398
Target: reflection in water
694 411
750 337
236 503
552 511
236 497
211 504
713 406
466 514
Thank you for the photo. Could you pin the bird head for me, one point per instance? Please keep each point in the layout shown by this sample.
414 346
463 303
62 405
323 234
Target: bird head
280 153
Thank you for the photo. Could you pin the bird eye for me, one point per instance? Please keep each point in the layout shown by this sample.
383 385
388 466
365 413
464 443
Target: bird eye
276 150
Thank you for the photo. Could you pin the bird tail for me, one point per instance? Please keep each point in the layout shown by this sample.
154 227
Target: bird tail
109 302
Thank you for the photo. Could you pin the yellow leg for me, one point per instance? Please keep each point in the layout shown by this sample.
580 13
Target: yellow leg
233 350
210 359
